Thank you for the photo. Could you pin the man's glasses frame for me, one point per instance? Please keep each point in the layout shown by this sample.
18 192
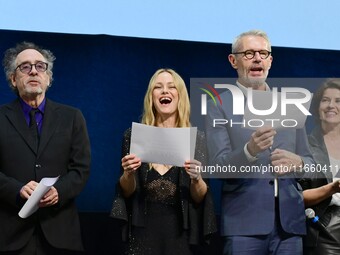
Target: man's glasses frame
250 54
26 67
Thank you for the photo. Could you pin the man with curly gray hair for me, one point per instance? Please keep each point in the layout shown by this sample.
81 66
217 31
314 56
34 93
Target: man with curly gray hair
39 138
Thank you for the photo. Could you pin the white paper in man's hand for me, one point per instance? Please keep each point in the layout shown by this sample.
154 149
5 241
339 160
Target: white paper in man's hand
171 146
32 204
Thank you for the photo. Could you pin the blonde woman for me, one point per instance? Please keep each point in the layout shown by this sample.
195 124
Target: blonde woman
166 208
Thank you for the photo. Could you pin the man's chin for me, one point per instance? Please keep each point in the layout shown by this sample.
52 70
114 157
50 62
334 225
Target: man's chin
37 91
255 82
33 93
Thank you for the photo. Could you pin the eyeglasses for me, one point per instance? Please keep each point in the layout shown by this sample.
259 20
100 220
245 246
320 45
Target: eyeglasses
26 68
250 54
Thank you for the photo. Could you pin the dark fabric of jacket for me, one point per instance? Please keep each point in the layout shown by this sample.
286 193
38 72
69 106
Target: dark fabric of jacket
320 155
198 219
64 150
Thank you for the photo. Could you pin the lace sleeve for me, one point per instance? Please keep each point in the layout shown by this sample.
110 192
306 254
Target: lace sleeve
119 207
201 148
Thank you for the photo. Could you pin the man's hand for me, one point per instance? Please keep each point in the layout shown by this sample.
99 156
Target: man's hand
27 190
285 161
50 198
261 140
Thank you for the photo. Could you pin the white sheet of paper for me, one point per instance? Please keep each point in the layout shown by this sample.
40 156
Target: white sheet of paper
31 204
171 146
262 100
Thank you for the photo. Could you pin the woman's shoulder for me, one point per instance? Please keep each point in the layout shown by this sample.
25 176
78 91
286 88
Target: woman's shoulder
126 138
315 136
200 135
127 131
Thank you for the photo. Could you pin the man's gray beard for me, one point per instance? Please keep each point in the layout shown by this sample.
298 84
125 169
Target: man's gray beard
253 82
33 93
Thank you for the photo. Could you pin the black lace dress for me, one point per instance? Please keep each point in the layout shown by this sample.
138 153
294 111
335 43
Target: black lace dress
160 217
163 232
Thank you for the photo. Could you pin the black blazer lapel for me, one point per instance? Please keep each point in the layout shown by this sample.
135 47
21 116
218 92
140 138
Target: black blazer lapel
49 125
16 117
319 150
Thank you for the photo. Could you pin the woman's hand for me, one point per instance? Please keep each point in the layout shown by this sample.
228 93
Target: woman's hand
198 187
193 169
130 164
336 186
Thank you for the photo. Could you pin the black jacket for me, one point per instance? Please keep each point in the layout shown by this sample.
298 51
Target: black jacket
320 155
64 150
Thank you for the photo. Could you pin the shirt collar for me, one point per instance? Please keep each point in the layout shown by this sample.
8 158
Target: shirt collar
27 108
244 89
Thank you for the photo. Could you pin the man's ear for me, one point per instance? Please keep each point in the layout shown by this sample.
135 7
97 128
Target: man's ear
271 60
232 60
13 80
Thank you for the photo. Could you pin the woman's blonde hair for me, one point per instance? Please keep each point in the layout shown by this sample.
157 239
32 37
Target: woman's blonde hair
183 108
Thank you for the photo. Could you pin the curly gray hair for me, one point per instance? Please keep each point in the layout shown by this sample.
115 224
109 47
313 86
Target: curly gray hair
9 61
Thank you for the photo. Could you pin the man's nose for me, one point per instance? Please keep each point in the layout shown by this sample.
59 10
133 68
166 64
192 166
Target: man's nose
33 70
257 56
